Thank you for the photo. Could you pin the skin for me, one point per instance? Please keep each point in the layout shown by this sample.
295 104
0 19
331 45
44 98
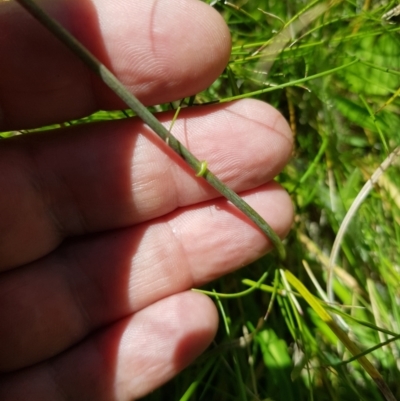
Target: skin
103 231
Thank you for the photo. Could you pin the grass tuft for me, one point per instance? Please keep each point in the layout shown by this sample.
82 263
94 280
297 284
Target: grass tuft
333 69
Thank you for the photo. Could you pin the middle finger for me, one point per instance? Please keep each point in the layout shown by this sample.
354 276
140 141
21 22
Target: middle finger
112 175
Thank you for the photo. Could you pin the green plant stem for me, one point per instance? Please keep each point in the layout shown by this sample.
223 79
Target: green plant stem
287 84
237 294
367 351
141 111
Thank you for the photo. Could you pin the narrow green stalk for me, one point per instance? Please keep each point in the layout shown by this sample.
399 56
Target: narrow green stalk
373 118
312 166
367 351
237 294
287 84
275 291
196 383
379 68
141 111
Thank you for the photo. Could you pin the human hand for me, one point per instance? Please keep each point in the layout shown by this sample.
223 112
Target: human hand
103 230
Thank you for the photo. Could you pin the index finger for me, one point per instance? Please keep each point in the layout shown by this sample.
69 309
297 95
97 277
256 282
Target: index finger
161 50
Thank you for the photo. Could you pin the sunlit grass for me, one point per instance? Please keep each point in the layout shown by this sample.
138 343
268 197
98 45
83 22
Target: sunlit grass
345 119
